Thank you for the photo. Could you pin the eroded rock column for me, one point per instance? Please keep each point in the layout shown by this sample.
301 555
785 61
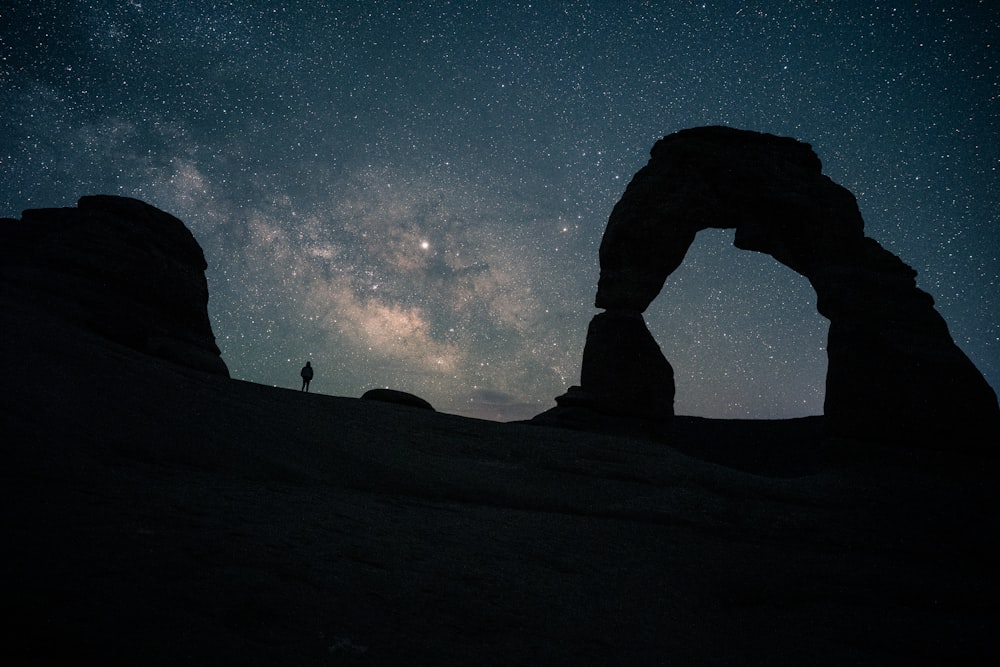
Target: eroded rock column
624 373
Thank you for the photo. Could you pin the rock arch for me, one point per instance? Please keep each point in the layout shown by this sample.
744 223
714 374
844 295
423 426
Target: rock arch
894 371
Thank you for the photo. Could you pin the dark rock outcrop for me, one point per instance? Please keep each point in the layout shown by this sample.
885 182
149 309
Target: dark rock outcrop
397 397
894 371
638 384
120 268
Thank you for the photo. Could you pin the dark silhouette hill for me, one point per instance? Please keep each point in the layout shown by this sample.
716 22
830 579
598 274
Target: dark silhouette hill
160 513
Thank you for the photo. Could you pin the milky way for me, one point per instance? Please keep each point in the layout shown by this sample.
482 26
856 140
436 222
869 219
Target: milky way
411 195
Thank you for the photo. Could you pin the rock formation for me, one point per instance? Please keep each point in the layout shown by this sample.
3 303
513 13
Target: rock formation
120 268
894 371
397 397
638 383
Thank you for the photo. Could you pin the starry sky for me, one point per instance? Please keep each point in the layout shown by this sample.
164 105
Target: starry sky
412 194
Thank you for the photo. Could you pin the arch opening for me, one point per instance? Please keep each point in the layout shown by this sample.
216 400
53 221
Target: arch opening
742 334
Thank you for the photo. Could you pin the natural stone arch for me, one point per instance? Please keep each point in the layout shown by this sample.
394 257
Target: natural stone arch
893 369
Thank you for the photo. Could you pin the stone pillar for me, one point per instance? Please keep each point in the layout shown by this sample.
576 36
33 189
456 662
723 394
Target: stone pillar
624 373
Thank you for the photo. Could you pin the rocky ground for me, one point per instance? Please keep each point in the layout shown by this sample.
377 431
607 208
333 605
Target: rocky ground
159 515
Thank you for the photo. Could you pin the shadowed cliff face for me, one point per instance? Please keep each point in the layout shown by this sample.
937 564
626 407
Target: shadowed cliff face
119 267
894 372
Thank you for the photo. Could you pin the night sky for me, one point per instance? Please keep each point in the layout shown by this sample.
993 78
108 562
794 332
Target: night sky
411 195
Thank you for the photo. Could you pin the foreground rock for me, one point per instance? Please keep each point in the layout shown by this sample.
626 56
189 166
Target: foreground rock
894 371
117 267
156 514
159 515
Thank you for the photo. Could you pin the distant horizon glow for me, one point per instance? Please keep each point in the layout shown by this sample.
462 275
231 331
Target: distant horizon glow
412 196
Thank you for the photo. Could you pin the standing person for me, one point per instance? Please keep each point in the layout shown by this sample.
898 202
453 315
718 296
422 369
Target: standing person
307 375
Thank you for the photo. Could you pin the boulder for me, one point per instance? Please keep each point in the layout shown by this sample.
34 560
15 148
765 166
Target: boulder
120 268
397 397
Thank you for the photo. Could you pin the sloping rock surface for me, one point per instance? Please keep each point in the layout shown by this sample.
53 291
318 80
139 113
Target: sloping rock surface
158 515
118 267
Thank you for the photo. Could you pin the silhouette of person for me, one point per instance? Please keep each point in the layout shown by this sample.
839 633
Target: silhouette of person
307 376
